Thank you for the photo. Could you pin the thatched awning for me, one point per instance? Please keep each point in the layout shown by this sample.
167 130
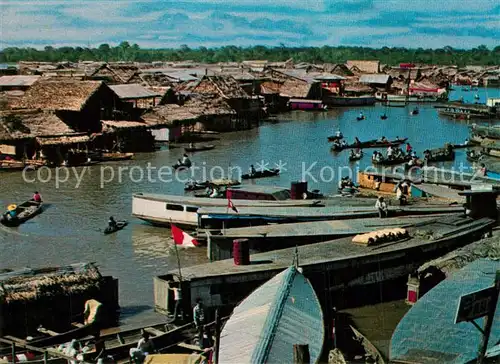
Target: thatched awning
63 140
166 115
111 125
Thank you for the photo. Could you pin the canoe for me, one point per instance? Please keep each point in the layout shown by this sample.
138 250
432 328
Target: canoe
383 117
25 211
360 118
181 166
119 225
334 138
261 174
375 143
76 333
110 157
200 148
390 162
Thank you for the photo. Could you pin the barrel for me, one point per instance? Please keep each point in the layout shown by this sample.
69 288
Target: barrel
241 252
297 190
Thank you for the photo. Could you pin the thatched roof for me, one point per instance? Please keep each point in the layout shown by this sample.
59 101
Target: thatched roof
25 124
207 106
18 81
111 125
270 87
364 66
63 140
30 284
223 86
59 95
133 92
295 89
357 87
119 73
166 115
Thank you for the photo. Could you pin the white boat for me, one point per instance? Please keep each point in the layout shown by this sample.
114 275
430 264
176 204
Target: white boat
264 327
182 210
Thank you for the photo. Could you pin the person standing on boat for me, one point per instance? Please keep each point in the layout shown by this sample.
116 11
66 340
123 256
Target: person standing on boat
37 197
409 148
185 160
381 206
338 134
112 223
177 298
199 319
389 152
252 170
361 116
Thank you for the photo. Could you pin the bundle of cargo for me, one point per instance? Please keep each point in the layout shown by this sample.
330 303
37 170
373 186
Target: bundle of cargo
381 236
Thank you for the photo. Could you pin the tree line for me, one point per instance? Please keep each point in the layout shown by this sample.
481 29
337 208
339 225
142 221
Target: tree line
481 55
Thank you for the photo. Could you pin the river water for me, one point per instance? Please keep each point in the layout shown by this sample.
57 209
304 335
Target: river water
70 229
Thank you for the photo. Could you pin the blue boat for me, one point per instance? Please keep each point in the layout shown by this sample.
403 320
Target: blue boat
264 327
429 331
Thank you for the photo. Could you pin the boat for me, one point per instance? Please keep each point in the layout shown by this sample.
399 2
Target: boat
199 148
444 336
111 157
196 185
119 225
356 156
391 161
466 111
335 137
359 118
486 131
375 143
54 338
180 166
162 210
282 302
472 156
415 111
370 349
440 154
25 211
200 185
364 100
261 174
303 104
383 117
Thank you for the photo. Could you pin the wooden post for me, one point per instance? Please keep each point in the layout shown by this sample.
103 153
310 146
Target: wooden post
301 354
13 352
217 337
489 319
45 357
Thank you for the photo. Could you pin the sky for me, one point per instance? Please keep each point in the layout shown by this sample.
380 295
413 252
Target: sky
460 24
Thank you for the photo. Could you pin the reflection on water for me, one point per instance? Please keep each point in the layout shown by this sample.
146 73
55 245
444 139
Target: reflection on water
71 229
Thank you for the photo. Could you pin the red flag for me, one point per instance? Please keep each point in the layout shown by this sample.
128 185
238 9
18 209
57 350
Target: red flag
182 238
230 205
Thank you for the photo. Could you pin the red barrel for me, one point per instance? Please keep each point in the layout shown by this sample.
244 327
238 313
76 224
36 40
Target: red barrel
241 252
297 190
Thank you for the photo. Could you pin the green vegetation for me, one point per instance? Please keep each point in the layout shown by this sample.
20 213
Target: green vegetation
126 52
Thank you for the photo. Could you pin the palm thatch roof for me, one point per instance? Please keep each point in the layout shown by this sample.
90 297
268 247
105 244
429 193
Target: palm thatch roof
167 115
31 284
66 95
364 66
223 86
295 89
109 126
26 124
208 106
62 140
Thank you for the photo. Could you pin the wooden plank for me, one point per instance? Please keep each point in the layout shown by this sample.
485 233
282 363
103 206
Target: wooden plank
190 347
154 331
48 332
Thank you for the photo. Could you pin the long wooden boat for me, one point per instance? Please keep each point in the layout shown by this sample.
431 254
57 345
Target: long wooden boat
487 131
335 137
110 157
440 155
119 226
25 211
370 349
199 148
261 174
375 143
284 301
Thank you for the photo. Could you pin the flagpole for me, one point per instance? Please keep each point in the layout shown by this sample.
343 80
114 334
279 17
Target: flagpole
177 254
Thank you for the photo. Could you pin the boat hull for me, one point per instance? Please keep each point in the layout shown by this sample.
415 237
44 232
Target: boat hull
350 101
261 174
28 210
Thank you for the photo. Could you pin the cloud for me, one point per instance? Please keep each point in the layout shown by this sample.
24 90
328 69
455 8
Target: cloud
169 23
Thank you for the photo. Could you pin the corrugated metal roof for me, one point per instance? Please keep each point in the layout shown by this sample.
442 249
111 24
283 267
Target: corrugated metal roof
133 91
430 324
265 326
382 79
18 80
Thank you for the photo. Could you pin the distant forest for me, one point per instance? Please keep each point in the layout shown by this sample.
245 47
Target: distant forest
126 52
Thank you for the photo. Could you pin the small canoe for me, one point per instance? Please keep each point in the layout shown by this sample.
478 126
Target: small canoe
334 138
261 174
199 148
181 166
25 211
383 117
119 225
110 157
370 144
414 112
360 118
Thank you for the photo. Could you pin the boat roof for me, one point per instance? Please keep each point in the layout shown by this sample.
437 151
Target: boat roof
204 201
429 327
319 254
263 327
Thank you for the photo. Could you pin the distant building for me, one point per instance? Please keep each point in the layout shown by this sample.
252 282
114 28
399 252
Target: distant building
17 82
363 66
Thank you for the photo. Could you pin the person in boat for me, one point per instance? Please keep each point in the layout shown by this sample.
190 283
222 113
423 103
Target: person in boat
466 141
390 152
379 157
414 155
341 184
145 346
338 134
185 160
427 154
357 141
191 145
112 223
214 193
361 116
252 170
483 171
12 212
353 154
374 156
36 197
409 148
381 206
343 144
383 139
